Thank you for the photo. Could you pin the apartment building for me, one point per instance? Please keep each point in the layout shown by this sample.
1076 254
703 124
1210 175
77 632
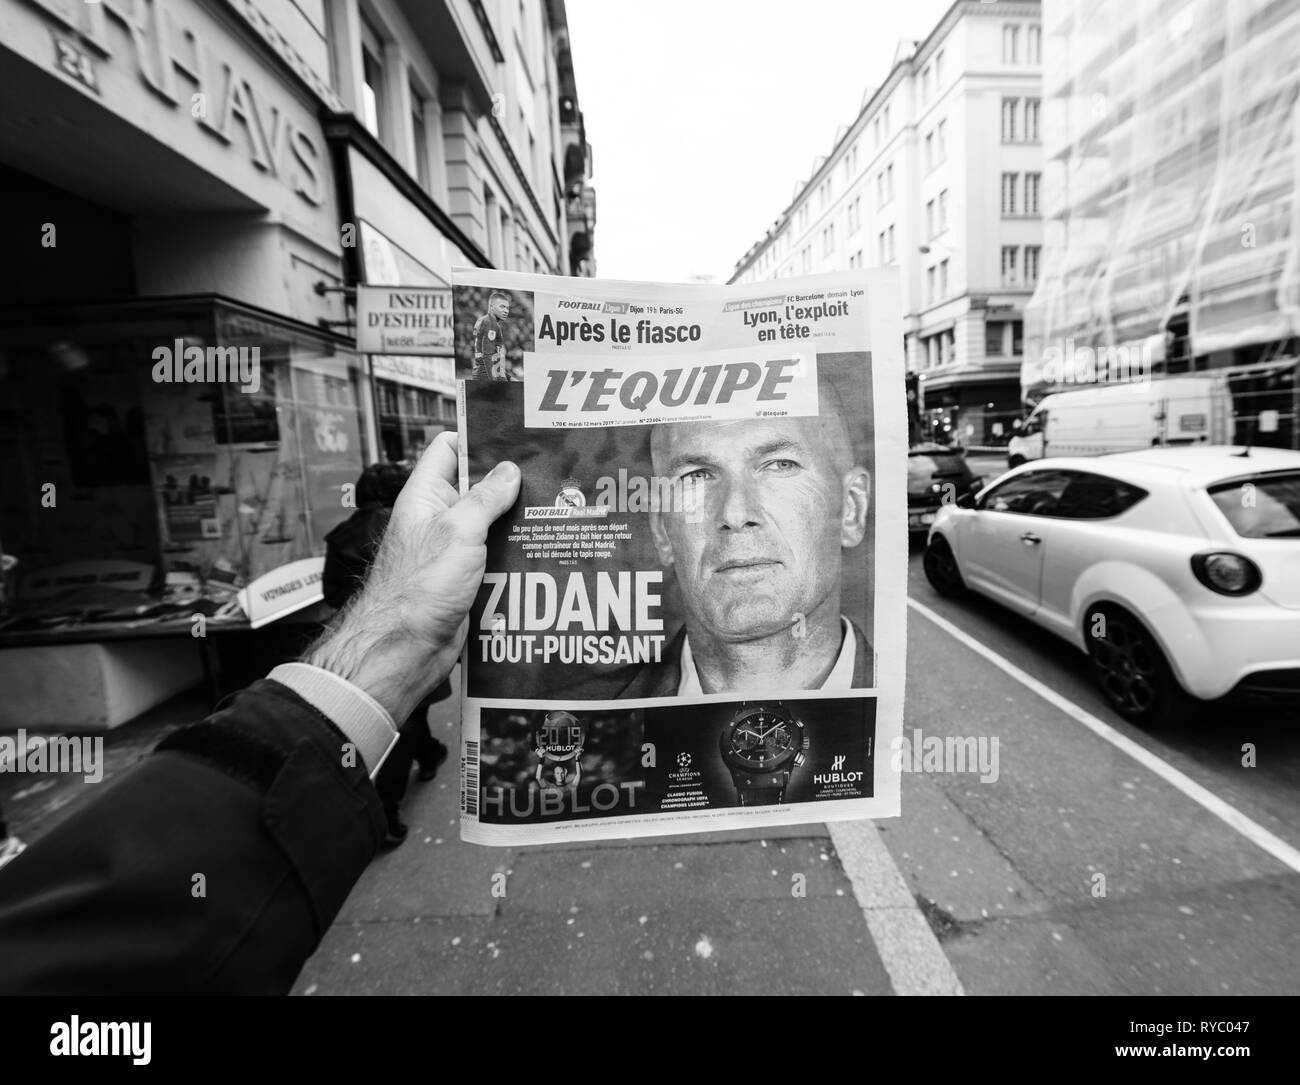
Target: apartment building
188 176
1170 215
940 174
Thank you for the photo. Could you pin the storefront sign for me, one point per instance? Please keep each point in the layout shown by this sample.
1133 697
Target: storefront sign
283 591
186 63
433 374
404 320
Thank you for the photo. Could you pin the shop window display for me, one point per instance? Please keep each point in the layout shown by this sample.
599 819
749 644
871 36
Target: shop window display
192 487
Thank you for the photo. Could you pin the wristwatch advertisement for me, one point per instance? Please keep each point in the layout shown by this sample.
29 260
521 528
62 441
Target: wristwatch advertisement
550 765
762 745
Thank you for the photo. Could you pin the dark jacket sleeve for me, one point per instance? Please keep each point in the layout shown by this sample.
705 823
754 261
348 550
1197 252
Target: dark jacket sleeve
214 866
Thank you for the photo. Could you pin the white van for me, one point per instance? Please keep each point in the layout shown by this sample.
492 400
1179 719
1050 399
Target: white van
1126 417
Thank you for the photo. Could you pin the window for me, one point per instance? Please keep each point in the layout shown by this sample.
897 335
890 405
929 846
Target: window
1034 44
1010 111
1033 182
929 283
1011 44
889 181
943 278
1035 493
941 141
938 70
828 240
491 221
855 215
929 150
929 218
372 89
1033 253
880 245
888 127
889 243
875 131
1009 254
880 189
1010 182
925 84
1275 512
806 259
852 261
995 337
943 210
1017 337
1031 120
421 139
1095 497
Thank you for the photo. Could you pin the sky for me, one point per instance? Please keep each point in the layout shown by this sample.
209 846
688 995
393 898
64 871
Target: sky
704 114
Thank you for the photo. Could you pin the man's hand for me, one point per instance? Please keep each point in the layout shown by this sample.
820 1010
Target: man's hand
402 632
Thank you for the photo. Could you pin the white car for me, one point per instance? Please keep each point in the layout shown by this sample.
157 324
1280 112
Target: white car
1176 569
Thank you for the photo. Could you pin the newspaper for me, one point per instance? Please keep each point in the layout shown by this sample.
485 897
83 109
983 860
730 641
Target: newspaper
693 618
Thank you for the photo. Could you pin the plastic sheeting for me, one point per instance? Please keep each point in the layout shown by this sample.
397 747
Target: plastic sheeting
1171 166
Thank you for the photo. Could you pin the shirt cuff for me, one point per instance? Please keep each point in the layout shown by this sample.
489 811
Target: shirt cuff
351 709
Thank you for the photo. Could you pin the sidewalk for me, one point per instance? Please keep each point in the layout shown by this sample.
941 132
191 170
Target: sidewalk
709 913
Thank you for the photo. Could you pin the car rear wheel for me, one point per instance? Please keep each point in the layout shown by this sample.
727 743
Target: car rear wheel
1132 671
941 570
1015 461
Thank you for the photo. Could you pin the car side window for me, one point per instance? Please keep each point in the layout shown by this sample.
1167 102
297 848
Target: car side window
1035 493
1096 497
1034 424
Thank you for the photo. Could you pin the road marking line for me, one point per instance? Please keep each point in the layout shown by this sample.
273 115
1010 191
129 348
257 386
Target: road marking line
1251 830
911 954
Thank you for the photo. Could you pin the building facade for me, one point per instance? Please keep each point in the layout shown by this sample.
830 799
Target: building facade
940 174
190 183
1172 229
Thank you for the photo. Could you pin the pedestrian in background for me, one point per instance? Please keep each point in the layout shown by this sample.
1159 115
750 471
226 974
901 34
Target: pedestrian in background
349 551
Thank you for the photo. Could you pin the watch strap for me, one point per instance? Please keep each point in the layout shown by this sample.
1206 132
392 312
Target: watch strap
761 796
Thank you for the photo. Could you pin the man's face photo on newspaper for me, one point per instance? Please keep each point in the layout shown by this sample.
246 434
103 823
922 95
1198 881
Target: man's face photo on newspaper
756 541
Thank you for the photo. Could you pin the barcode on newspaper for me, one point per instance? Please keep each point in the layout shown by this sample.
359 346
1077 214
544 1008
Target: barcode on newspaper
469 780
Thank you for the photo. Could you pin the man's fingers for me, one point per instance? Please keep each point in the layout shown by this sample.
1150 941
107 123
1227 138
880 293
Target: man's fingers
473 514
438 462
433 484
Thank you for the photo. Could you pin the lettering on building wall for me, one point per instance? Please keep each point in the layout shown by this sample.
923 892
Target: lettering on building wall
177 66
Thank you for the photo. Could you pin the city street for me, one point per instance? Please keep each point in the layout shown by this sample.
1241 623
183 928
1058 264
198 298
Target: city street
346 343
1004 871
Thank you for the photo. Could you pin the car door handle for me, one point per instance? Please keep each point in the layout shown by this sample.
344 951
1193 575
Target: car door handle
1030 539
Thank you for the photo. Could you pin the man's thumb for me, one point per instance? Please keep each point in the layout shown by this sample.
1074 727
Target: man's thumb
491 496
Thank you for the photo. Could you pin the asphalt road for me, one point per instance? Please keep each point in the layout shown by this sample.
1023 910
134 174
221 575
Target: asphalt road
1007 869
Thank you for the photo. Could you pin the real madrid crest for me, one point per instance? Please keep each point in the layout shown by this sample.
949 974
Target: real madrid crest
570 495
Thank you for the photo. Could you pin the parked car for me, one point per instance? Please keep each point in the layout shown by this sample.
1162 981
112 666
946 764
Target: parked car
1124 417
936 475
1176 569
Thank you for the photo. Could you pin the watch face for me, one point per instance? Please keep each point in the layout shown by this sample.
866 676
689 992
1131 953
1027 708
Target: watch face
560 737
762 740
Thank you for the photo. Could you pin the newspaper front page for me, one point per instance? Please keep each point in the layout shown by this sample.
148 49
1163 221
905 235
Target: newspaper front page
693 619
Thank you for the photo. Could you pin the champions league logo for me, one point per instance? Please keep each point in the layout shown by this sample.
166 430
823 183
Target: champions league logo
684 774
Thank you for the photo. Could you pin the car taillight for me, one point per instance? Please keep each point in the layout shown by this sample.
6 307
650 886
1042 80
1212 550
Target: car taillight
1226 573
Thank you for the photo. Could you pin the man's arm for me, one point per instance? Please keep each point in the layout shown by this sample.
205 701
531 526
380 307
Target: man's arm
217 864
